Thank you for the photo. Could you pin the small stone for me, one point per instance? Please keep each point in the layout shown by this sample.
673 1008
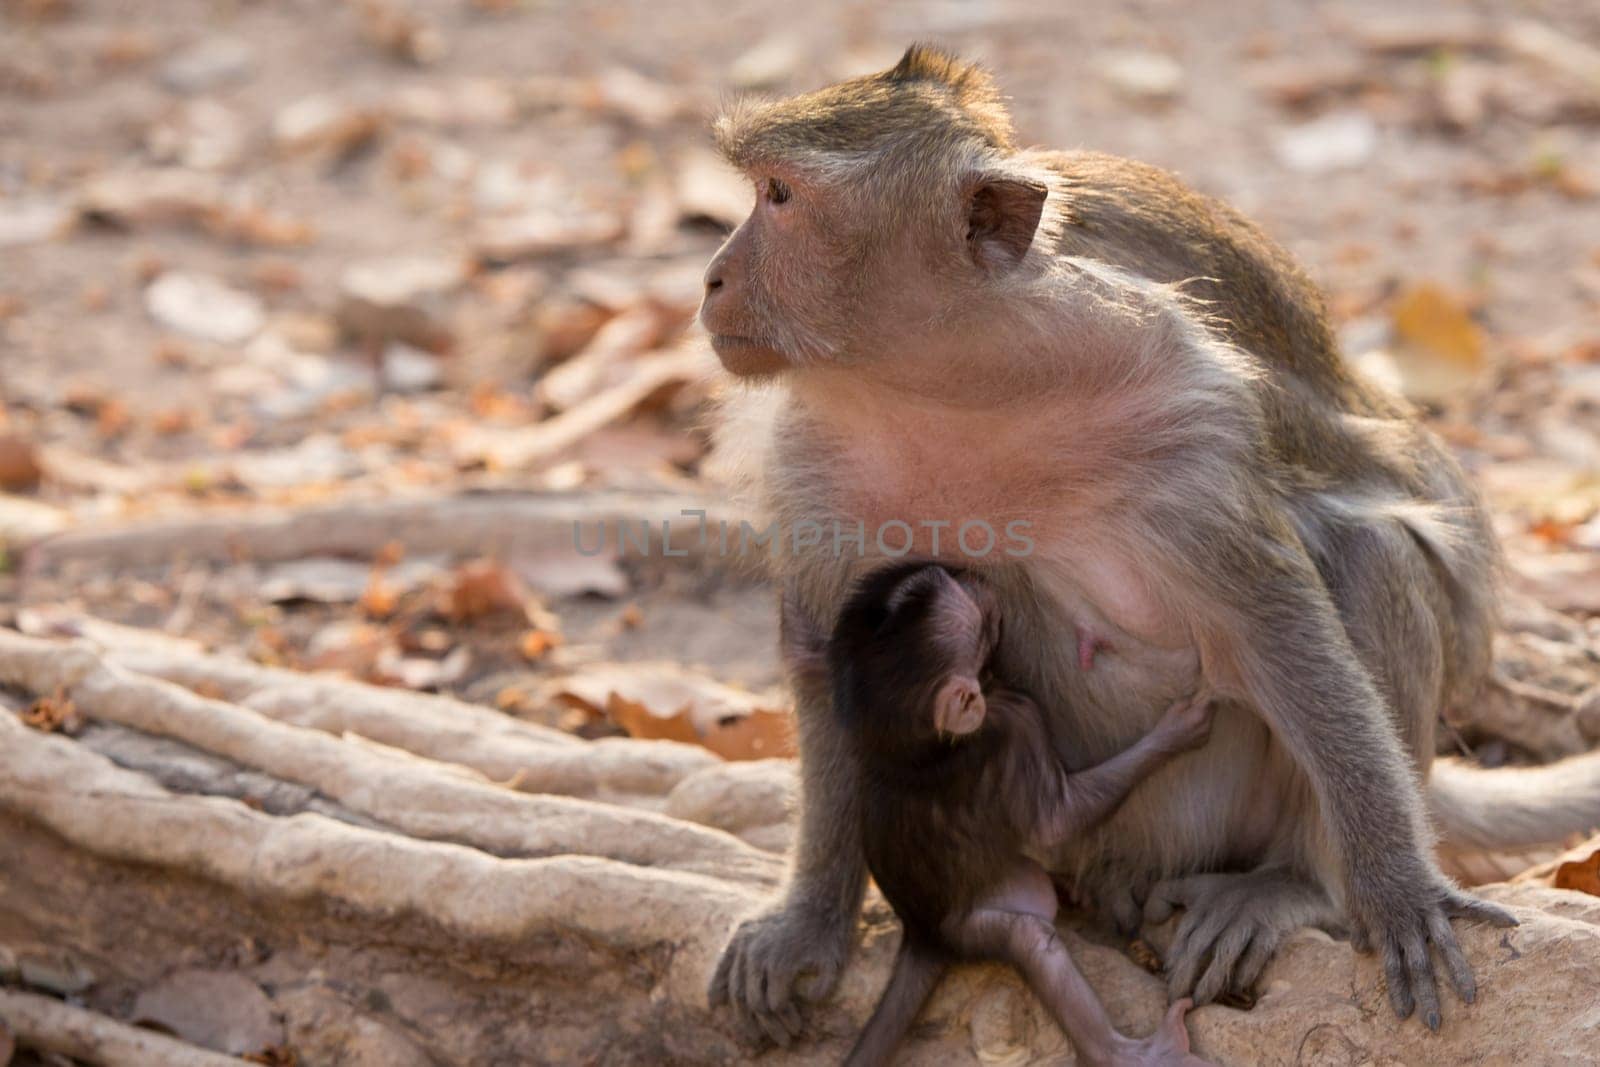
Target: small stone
410 370
318 458
220 1010
402 299
26 222
325 124
210 64
323 580
769 63
201 135
144 197
1340 141
1144 76
203 307
542 233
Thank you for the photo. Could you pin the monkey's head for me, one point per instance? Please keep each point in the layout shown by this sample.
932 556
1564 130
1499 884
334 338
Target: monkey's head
883 205
908 658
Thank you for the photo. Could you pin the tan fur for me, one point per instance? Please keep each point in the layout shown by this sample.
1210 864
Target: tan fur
1153 386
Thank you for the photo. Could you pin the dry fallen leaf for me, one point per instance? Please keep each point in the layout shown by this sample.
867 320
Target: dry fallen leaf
19 464
380 599
53 714
663 701
536 644
1581 875
1440 350
760 735
641 722
484 588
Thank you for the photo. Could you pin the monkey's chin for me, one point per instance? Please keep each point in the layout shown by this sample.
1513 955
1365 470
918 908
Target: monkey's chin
745 358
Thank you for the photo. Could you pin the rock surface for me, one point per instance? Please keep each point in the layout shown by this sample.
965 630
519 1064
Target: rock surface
421 912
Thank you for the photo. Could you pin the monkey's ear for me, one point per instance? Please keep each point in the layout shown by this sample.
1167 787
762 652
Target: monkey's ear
958 707
1002 216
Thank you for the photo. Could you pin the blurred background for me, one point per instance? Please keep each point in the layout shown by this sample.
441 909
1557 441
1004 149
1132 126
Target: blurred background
298 256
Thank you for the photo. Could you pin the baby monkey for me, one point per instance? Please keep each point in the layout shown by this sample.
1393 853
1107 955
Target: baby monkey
961 789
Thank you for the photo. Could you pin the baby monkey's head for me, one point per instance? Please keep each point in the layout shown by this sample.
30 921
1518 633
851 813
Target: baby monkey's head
909 654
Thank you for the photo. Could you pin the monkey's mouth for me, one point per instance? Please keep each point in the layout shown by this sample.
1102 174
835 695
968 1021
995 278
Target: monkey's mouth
747 356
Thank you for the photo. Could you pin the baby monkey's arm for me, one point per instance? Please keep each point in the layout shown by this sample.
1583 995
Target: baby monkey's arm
1085 799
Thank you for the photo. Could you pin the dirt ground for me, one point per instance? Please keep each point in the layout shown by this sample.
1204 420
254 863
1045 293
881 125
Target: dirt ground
299 257
434 224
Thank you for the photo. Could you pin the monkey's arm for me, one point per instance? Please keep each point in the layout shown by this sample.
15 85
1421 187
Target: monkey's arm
807 934
1268 632
1081 801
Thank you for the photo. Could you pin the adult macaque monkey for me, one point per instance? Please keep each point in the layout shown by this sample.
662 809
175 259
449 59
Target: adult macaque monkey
945 329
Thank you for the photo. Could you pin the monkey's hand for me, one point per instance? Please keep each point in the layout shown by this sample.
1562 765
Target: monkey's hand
775 959
1400 918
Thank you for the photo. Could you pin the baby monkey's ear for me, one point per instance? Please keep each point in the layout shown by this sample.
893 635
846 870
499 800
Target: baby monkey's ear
958 707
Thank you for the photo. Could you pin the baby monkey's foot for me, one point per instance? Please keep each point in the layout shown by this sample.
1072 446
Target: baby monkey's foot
1167 1047
1187 723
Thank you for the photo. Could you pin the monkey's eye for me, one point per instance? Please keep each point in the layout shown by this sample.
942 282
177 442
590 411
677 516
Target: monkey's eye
777 192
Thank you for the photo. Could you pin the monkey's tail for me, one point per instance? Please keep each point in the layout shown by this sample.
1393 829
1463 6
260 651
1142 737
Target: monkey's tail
1514 807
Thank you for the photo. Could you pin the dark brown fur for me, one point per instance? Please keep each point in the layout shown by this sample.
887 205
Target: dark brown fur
948 822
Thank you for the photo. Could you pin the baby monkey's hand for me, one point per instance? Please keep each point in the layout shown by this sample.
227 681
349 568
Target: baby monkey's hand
1187 723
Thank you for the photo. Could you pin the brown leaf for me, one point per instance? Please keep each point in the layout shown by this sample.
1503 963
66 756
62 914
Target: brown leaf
666 702
760 735
535 644
484 588
1441 349
639 721
380 599
1581 875
20 471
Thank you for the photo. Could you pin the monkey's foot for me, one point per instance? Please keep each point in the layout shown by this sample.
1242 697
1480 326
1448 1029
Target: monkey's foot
763 967
1231 926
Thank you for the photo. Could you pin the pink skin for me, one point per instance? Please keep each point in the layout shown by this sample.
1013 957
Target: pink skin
1088 645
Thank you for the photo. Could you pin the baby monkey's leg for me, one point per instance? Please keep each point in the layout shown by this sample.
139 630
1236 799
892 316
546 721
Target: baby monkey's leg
916 972
1016 924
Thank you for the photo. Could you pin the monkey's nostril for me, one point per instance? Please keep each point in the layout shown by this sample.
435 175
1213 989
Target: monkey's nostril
713 283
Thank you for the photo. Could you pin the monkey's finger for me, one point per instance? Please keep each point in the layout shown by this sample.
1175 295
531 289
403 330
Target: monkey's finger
1360 936
770 1023
824 976
1224 958
1193 946
1424 987
1464 906
1165 896
717 991
1253 963
780 1000
737 978
1455 961
1394 975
